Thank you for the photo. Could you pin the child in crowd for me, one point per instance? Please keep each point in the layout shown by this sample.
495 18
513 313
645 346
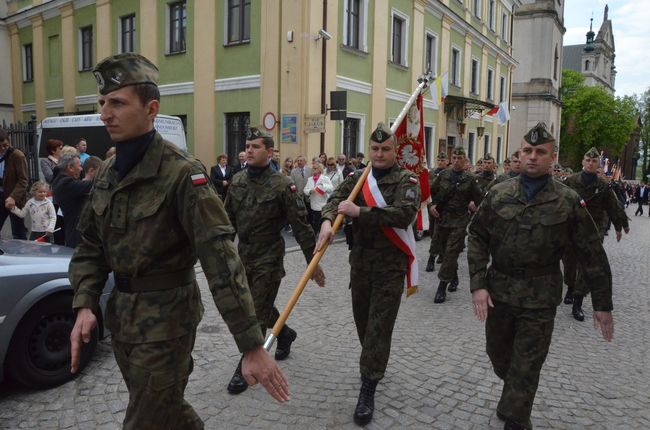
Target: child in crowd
41 211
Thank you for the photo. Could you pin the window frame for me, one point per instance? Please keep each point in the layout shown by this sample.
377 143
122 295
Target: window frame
242 5
360 133
121 33
363 27
490 84
504 26
486 144
471 146
230 135
86 64
170 49
492 15
28 62
456 66
502 89
499 148
404 33
477 5
428 34
475 77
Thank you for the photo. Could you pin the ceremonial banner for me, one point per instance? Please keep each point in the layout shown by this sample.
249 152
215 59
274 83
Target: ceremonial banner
411 155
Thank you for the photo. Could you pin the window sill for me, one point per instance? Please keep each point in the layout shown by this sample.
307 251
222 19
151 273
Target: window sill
171 54
353 50
89 69
398 66
455 85
237 43
28 81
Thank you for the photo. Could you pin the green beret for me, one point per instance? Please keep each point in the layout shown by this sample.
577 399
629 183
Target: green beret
122 70
442 155
479 161
557 166
257 133
538 135
488 157
592 153
381 133
459 150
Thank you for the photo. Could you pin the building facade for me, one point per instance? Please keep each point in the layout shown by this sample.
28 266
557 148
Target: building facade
226 64
539 25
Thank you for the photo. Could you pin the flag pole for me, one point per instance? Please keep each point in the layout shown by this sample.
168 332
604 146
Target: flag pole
424 81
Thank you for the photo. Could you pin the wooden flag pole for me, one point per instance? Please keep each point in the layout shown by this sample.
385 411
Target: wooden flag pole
270 338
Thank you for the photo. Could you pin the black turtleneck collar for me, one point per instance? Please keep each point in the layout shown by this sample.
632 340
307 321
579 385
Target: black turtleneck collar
378 173
456 174
533 185
588 178
487 174
512 173
129 153
256 171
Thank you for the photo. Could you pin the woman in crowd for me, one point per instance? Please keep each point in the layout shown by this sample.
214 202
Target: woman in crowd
53 147
287 166
333 173
318 188
221 176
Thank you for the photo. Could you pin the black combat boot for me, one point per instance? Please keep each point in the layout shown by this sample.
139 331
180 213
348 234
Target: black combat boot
577 308
511 425
285 339
439 260
441 294
453 285
366 404
237 383
568 297
431 264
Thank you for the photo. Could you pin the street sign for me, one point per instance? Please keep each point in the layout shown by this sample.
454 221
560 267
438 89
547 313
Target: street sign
314 123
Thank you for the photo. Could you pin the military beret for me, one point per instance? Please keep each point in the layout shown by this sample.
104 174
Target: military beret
479 161
122 70
539 135
592 153
442 155
507 161
381 133
257 133
488 157
459 150
557 166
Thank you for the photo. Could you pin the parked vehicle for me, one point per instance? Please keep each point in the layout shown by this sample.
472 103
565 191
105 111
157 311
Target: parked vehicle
36 314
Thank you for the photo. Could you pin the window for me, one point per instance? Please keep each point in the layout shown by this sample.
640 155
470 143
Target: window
236 125
428 144
555 63
499 149
239 21
28 63
470 146
455 67
502 89
431 53
492 14
399 46
504 27
352 30
86 51
475 76
486 145
127 33
477 8
587 63
490 84
177 27
351 136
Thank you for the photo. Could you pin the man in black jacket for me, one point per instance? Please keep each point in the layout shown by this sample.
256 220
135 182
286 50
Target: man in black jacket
71 193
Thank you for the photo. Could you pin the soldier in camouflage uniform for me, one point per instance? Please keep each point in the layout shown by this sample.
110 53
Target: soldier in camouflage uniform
377 265
485 178
434 248
600 202
152 213
259 203
506 165
513 171
451 193
523 227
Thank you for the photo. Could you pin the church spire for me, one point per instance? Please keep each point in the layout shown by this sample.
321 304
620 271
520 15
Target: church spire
590 36
606 12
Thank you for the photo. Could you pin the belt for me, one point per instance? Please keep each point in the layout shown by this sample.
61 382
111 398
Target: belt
163 281
259 238
527 272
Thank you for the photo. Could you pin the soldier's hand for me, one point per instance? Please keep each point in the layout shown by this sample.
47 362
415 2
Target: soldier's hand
481 300
619 235
605 322
627 230
81 332
434 213
471 206
318 276
326 235
349 209
258 366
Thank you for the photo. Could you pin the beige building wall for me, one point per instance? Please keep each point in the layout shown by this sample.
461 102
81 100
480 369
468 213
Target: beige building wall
67 53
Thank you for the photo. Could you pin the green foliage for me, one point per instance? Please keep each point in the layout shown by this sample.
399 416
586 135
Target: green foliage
593 117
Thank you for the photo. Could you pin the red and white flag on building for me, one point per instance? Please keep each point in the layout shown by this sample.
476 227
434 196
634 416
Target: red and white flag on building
412 155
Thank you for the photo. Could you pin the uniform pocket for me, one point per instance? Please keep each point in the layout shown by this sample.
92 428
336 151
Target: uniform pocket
144 209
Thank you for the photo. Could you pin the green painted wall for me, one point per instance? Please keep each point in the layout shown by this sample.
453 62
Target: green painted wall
85 82
176 67
182 104
123 8
53 112
356 64
457 6
245 100
25 35
242 59
52 60
20 4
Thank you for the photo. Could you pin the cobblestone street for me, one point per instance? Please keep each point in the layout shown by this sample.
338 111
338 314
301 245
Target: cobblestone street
439 375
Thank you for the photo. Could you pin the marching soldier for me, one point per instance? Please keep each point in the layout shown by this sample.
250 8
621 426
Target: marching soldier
259 204
434 248
152 213
506 165
451 193
485 178
513 171
381 214
600 202
523 228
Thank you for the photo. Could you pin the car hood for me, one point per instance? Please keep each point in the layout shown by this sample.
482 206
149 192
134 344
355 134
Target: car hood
16 255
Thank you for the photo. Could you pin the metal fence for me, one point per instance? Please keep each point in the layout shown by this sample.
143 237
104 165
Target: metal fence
23 137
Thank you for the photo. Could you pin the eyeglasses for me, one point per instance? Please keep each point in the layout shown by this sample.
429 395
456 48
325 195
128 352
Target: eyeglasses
331 165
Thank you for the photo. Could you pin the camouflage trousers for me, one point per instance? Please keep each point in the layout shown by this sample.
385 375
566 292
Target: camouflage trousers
452 243
434 247
517 342
264 288
156 374
569 269
376 297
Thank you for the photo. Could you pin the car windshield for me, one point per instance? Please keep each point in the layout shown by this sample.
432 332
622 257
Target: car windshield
27 248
